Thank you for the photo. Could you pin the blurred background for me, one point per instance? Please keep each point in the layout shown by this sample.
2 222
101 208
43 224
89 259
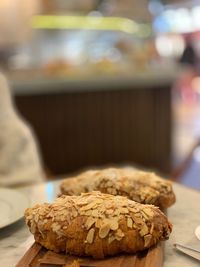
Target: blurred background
106 82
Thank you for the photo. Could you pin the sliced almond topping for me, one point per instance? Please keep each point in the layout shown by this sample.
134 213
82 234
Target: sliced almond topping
36 218
144 215
109 184
129 222
104 230
147 240
124 210
118 238
138 215
119 233
99 201
112 191
74 213
95 213
109 211
137 220
33 228
150 200
82 202
133 209
152 228
75 263
114 224
90 221
111 239
101 211
144 230
90 236
149 212
98 223
116 212
87 213
88 206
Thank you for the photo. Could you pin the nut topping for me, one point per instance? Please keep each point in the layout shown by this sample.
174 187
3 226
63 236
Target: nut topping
90 236
90 221
114 224
104 230
101 213
144 230
140 186
147 239
111 239
129 222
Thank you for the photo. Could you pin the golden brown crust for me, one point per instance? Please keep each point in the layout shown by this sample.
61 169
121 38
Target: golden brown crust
143 187
97 225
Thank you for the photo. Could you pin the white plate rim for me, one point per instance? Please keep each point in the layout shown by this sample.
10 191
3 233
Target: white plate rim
27 204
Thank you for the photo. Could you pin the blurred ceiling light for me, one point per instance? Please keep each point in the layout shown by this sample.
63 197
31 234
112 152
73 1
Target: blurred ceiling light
170 46
155 7
179 20
85 22
196 84
195 12
164 46
183 20
161 25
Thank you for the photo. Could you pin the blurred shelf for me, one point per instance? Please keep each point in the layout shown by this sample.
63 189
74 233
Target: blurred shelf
31 83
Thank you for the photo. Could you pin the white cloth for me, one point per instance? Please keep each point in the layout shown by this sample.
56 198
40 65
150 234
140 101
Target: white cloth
19 157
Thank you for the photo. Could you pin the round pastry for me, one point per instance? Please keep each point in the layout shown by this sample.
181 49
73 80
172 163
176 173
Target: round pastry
140 186
96 224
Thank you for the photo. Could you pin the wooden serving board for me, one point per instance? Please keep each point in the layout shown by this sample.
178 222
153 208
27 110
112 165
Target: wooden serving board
38 256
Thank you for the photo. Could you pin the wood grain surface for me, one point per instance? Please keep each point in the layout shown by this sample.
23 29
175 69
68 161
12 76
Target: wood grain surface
37 256
78 130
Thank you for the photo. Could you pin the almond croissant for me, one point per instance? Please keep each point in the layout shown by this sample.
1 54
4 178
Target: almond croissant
96 224
143 187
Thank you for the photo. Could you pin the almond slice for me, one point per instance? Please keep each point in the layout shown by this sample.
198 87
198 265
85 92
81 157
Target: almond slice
98 223
109 211
88 206
147 240
114 224
86 213
74 213
95 213
137 220
104 230
152 228
124 210
144 215
149 212
134 210
129 222
144 230
90 236
119 233
90 221
111 239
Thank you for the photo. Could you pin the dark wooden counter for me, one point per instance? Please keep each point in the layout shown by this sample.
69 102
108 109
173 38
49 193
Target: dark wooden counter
81 128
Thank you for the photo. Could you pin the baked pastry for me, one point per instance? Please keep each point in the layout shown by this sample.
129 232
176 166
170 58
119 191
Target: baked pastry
97 225
140 186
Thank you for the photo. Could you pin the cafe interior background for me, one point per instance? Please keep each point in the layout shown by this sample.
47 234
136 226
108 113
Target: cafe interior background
107 82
